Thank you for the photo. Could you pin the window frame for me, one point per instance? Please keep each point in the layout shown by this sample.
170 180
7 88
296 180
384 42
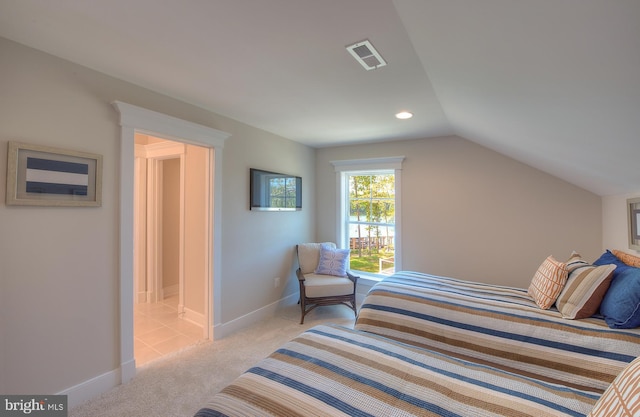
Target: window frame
345 168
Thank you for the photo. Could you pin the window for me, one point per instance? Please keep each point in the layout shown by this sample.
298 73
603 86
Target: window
371 221
369 213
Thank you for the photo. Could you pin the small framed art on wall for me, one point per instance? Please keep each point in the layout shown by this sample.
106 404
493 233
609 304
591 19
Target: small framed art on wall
46 176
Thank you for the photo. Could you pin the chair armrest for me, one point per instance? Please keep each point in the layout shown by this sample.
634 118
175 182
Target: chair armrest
352 277
300 274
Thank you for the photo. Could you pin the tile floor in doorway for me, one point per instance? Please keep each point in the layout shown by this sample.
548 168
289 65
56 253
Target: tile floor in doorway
158 331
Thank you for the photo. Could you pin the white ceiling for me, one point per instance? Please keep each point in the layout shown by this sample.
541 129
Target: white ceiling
552 83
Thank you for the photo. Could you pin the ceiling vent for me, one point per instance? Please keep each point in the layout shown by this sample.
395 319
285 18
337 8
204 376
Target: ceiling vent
366 55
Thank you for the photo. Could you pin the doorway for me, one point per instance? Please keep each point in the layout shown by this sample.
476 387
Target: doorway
171 253
134 119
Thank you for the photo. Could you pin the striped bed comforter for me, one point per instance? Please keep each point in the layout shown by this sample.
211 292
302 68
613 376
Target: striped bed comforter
334 371
497 326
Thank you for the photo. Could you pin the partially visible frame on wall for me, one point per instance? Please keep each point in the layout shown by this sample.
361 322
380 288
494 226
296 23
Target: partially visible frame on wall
45 176
633 216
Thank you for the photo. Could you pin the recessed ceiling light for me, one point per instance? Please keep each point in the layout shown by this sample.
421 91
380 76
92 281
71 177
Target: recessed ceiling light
404 115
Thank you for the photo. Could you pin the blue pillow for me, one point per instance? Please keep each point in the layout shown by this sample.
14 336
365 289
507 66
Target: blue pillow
333 261
621 304
609 258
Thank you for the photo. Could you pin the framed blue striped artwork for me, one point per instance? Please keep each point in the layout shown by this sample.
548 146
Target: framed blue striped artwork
46 176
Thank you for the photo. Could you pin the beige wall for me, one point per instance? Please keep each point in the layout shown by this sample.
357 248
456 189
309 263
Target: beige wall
195 239
471 213
59 306
170 224
259 245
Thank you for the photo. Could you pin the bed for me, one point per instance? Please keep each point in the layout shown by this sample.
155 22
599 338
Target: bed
497 326
332 371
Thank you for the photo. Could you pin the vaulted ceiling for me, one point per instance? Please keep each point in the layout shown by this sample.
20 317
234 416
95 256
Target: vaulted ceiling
552 83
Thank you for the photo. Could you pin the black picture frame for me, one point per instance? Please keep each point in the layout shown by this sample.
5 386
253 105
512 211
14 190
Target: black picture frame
274 191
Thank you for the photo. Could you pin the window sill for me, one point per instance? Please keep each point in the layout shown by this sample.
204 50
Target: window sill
367 278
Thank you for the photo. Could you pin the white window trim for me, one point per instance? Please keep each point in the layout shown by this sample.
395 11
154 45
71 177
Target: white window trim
361 166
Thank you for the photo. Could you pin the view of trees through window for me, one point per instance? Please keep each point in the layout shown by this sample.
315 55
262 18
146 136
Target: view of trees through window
371 222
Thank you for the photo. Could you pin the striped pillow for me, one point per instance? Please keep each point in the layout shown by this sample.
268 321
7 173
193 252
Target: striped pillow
622 398
627 258
585 288
548 282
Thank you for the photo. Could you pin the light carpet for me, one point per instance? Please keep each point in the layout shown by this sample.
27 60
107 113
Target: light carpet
181 383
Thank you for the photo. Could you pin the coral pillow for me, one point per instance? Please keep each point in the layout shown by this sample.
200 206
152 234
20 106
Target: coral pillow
585 288
333 261
622 398
548 282
627 258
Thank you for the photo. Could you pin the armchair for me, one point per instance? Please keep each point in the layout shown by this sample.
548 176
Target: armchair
323 277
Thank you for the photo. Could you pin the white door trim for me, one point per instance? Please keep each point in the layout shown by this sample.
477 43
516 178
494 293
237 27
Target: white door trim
136 119
154 231
154 154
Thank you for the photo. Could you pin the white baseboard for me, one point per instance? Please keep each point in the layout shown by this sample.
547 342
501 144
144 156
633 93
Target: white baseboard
170 291
225 329
91 388
127 371
192 316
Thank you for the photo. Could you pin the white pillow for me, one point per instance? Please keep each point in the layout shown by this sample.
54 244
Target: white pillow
333 261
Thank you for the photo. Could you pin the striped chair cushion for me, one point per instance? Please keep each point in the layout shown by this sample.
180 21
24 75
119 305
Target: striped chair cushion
622 398
548 282
585 288
627 258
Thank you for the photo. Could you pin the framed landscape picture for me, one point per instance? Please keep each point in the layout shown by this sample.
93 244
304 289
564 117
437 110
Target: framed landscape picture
46 176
